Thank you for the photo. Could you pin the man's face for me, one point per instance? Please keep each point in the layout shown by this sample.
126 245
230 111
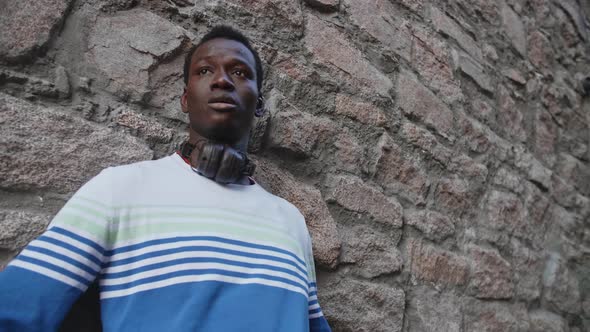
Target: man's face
221 95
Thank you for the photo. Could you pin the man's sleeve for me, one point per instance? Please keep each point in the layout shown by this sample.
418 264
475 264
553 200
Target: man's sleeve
317 321
40 285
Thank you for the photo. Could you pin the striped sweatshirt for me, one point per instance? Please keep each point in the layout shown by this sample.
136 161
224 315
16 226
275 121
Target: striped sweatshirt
172 251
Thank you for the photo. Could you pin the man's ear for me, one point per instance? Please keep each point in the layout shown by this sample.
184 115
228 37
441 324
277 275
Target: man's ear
260 109
183 101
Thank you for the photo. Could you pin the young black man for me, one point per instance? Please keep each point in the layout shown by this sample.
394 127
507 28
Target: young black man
185 243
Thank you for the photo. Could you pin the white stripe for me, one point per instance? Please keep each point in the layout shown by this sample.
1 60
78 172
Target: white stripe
200 254
126 228
314 306
198 266
78 244
58 262
82 215
198 278
314 297
159 236
66 252
83 234
316 315
138 212
313 289
217 244
49 273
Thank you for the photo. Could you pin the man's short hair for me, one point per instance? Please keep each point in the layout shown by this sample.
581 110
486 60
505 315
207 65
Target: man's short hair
225 32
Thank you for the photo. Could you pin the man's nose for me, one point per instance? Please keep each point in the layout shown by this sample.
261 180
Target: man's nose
221 80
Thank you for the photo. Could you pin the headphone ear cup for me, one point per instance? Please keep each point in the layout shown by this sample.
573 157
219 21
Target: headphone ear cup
230 167
210 159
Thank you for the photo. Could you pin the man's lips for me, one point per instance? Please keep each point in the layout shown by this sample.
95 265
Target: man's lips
222 106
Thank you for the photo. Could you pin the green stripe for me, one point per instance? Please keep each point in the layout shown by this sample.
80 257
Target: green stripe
238 232
81 224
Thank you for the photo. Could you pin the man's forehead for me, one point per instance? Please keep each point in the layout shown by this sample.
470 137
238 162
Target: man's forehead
222 47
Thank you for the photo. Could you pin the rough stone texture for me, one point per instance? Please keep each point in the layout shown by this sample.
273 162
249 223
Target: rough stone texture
126 46
309 201
384 306
435 265
491 276
352 194
433 225
514 29
466 120
430 310
417 101
17 228
494 316
75 149
360 111
330 47
27 26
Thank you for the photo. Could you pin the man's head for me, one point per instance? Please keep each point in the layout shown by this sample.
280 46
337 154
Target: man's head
223 78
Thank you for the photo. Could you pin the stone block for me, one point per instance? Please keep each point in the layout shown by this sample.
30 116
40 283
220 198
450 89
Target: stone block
298 132
504 211
360 111
353 194
127 45
417 101
453 194
399 172
330 47
342 300
528 265
430 310
491 276
27 26
449 27
529 165
18 228
561 288
485 316
428 263
435 226
510 117
375 17
426 141
369 251
514 29
324 5
473 134
546 321
321 225
349 153
540 53
473 69
148 127
508 179
45 149
432 59
546 132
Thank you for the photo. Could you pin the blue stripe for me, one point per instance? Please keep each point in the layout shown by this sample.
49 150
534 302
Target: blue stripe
315 311
312 284
201 260
75 236
61 257
310 303
198 272
202 248
69 247
313 293
204 238
54 268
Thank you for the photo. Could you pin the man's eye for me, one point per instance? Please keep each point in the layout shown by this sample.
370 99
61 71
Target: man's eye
203 71
239 72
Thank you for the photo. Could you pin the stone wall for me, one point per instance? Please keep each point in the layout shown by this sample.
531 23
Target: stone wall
438 149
